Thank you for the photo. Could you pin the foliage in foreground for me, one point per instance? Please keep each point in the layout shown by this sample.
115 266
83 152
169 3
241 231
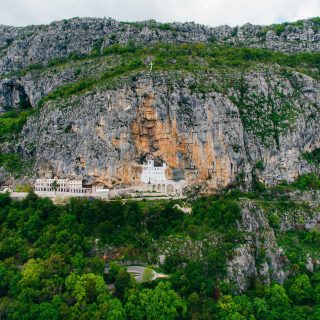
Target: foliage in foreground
50 269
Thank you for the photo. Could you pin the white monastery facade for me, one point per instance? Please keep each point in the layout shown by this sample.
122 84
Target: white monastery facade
152 174
154 179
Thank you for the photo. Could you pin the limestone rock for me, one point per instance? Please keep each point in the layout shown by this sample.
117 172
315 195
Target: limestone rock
20 47
204 138
260 255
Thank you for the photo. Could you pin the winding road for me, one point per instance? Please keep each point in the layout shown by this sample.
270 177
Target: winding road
137 272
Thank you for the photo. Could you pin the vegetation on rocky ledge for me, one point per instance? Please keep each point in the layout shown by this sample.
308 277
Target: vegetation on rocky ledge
12 122
187 57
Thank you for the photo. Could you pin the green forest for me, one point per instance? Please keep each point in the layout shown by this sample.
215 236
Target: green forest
53 259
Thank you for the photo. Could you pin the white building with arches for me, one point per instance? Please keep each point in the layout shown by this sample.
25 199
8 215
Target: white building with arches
153 179
152 174
59 185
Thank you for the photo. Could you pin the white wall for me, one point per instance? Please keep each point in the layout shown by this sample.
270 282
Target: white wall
152 173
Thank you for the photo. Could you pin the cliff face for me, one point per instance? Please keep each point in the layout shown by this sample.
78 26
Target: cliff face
105 134
100 115
203 137
265 255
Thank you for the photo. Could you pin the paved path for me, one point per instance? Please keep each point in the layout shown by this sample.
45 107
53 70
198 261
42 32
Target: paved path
64 196
137 272
154 198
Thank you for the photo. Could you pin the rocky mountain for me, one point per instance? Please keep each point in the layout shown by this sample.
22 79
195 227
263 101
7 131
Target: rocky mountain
20 47
225 108
217 105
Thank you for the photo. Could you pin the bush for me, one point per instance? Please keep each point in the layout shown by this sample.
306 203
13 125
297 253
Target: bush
24 188
301 290
274 220
308 181
12 122
165 26
313 157
147 274
313 237
12 163
259 165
